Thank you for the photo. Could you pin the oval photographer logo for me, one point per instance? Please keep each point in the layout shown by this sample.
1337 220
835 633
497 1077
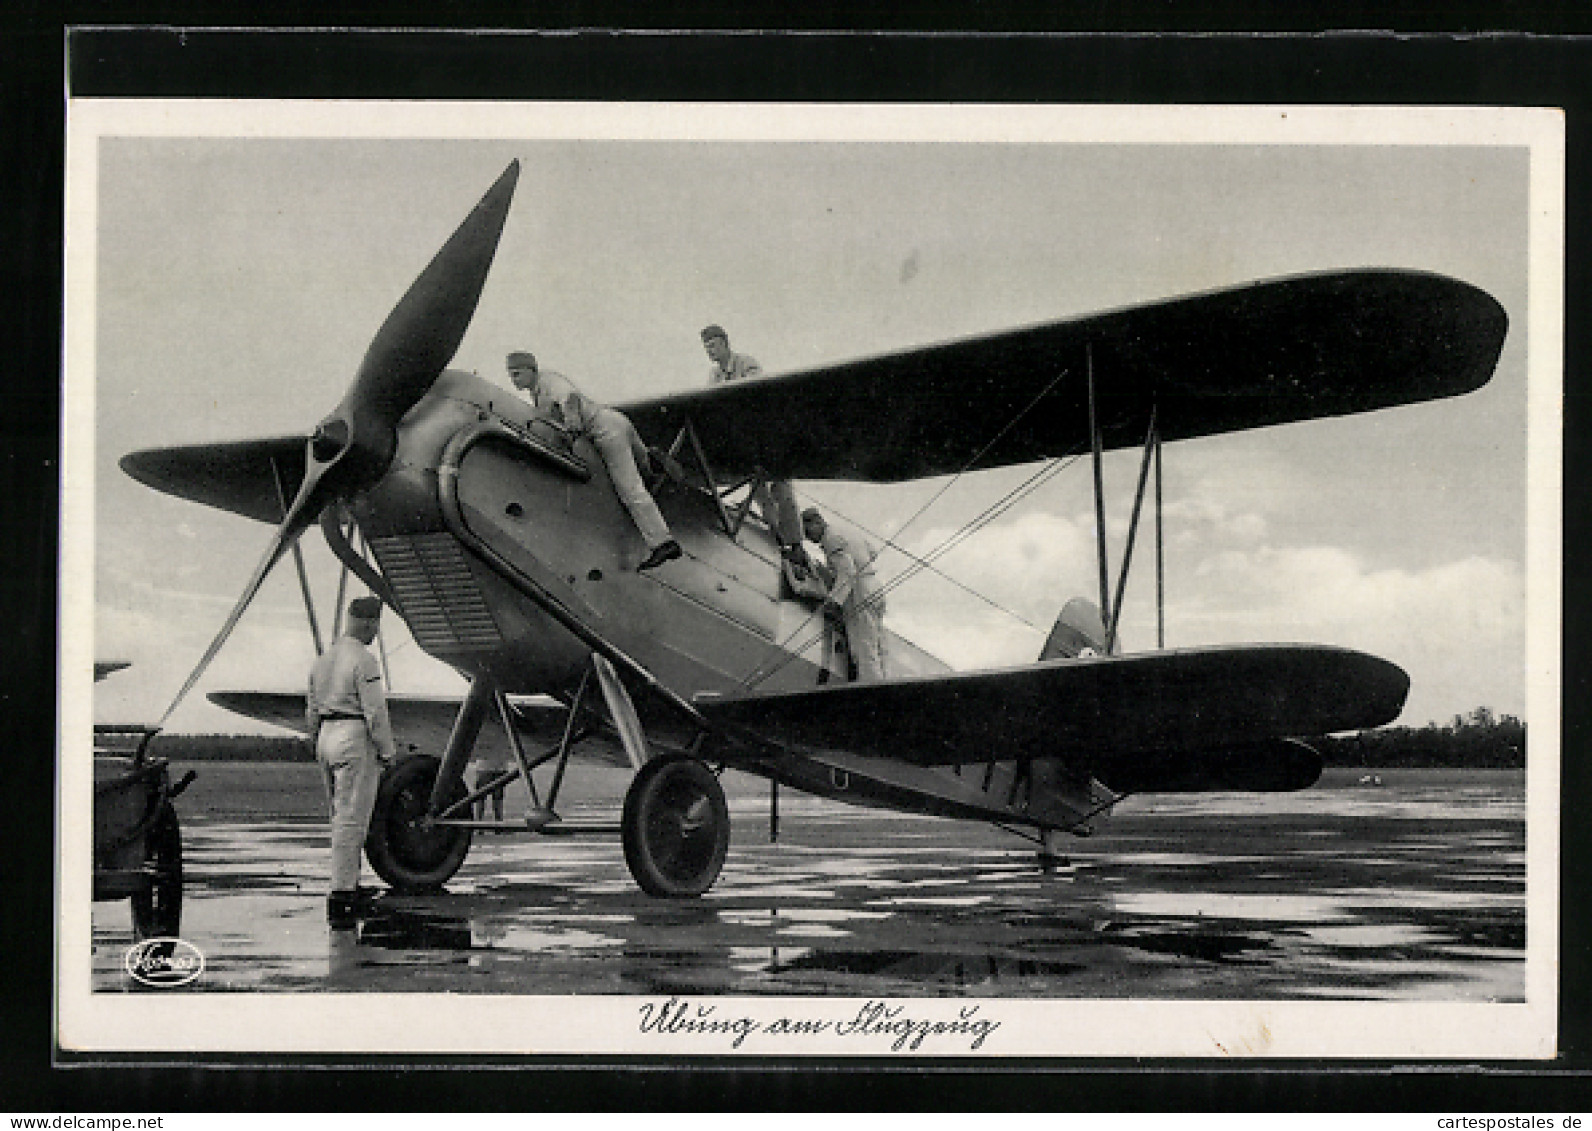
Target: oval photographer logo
164 962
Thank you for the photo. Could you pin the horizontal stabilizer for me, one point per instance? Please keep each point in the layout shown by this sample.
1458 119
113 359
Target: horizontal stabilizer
1093 711
1274 352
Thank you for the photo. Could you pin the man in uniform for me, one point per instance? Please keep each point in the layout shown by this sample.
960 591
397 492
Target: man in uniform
854 594
615 439
811 580
775 499
347 714
727 365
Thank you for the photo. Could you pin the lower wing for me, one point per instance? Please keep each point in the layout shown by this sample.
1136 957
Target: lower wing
421 724
1185 719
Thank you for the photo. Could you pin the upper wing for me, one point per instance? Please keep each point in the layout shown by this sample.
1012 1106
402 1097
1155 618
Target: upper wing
422 723
1110 715
1269 353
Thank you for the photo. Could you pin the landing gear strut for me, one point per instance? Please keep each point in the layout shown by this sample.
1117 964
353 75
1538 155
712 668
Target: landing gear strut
676 827
404 846
1051 856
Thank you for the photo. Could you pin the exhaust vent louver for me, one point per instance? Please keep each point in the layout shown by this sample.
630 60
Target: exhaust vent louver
437 594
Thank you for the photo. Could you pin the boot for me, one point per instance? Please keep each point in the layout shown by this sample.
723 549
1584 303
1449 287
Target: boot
342 911
663 552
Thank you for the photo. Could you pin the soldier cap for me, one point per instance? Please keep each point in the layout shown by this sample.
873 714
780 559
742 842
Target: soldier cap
711 332
364 608
522 359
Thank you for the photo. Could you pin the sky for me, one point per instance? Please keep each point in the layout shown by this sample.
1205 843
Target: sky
238 279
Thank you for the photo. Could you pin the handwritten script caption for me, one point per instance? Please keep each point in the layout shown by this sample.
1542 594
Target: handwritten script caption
875 1023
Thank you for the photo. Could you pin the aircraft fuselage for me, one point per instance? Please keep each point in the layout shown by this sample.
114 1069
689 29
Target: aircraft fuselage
481 517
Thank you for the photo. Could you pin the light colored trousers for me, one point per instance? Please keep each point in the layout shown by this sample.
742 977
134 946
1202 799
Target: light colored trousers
865 635
616 441
777 501
352 772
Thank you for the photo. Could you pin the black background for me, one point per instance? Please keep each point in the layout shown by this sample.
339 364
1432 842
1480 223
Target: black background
1092 53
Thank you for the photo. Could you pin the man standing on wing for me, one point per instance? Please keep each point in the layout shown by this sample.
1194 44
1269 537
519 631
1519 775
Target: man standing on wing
776 500
347 714
615 439
855 593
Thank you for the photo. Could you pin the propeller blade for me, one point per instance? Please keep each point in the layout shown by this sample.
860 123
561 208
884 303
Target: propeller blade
424 330
305 511
352 447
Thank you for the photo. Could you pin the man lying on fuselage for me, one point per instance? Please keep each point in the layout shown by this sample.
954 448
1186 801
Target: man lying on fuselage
615 439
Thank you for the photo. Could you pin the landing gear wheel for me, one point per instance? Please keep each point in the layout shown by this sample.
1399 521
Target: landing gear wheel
676 828
403 845
157 906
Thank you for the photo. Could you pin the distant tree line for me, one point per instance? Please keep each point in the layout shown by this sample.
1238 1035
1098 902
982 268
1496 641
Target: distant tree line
232 748
1479 740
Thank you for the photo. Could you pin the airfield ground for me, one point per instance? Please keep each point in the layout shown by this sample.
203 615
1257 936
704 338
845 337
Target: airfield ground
1411 889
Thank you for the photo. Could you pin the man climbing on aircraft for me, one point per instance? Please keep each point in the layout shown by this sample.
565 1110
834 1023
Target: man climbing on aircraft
776 500
812 580
615 439
346 711
854 594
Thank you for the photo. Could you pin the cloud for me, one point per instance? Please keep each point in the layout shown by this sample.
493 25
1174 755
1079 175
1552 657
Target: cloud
1029 565
1457 627
1196 521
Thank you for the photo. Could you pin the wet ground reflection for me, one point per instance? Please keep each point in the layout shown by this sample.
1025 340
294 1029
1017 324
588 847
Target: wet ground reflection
1414 890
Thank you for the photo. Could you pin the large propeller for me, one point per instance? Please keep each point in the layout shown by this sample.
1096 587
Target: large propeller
352 447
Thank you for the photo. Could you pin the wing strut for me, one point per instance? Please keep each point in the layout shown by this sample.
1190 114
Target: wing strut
1150 447
1160 556
1152 451
298 563
731 518
1095 440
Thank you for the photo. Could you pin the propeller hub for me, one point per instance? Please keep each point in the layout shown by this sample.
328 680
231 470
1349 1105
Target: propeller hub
358 445
330 439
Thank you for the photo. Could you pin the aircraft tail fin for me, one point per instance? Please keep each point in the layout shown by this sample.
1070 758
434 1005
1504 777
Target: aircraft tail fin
1077 630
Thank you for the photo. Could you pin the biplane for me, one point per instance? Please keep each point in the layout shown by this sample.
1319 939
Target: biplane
503 547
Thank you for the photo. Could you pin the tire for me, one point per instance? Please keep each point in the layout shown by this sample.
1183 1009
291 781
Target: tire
157 906
401 845
676 828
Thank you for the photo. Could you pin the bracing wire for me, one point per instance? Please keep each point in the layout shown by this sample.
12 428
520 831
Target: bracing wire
973 526
759 675
922 563
926 561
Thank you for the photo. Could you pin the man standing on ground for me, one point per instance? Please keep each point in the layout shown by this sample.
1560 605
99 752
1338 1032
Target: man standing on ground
347 714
